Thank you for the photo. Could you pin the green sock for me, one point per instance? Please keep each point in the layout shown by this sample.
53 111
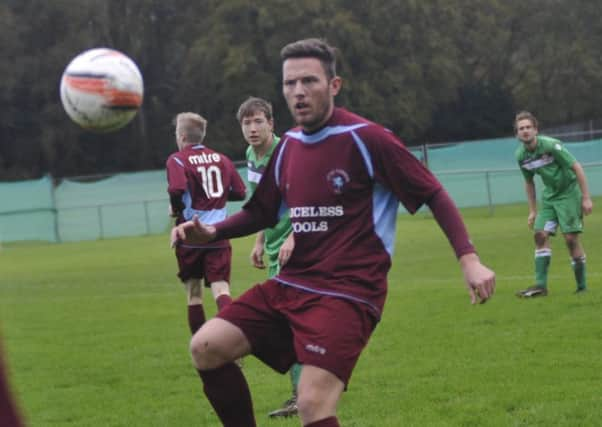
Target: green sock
542 262
295 372
578 265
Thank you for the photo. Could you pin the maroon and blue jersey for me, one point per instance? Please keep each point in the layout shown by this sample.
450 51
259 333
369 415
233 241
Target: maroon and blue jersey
203 180
342 186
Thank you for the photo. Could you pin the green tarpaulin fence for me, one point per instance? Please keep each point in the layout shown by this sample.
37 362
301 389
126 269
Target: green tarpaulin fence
480 173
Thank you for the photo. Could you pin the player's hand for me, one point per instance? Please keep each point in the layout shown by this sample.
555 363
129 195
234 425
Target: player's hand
286 250
479 279
531 219
193 232
587 205
257 256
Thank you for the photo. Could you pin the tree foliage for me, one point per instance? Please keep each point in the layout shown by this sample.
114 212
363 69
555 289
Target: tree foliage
431 71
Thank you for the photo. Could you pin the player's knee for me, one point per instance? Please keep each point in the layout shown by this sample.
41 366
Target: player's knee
540 238
201 352
194 291
307 404
311 403
571 242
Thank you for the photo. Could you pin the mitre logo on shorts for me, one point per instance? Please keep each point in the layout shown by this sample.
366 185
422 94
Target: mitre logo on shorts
315 349
337 178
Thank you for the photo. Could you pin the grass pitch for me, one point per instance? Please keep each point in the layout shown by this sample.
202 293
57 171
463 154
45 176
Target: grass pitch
96 335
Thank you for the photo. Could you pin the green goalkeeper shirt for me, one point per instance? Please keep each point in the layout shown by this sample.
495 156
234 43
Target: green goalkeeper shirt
552 162
274 237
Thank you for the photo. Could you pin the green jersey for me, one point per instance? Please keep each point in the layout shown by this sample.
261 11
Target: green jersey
553 163
274 237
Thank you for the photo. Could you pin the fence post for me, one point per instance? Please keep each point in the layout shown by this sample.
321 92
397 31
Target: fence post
146 218
100 226
489 195
55 211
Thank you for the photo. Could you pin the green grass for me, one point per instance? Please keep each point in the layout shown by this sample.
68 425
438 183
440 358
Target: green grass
96 335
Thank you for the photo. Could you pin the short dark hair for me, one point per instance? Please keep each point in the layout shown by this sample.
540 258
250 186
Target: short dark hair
252 106
313 48
525 115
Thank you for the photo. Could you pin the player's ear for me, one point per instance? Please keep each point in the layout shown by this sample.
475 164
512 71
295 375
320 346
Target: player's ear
335 85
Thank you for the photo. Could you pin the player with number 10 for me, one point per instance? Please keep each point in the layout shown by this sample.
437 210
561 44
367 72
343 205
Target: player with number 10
200 182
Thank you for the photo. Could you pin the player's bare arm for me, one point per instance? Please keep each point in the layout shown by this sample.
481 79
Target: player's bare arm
479 279
531 200
286 250
586 200
257 251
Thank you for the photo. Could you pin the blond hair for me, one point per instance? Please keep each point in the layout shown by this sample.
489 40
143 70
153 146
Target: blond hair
191 125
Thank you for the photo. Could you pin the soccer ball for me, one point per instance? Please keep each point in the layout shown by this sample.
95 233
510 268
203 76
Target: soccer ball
101 89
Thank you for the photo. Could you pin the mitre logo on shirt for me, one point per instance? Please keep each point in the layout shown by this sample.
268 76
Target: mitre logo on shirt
337 178
203 158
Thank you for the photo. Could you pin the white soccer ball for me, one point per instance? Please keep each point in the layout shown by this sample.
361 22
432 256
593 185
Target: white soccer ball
102 89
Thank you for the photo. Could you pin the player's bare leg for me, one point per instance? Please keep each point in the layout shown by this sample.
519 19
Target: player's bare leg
194 292
213 349
222 297
318 395
221 293
218 342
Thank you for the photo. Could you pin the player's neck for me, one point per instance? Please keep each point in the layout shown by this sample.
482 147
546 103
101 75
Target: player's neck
188 145
262 150
315 128
531 145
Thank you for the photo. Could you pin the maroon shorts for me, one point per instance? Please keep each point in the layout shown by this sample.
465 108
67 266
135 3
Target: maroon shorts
211 264
285 325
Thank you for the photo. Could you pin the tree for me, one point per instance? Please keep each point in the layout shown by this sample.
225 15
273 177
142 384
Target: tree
437 70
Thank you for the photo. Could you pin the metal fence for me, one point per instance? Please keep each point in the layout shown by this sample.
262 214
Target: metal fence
90 208
493 187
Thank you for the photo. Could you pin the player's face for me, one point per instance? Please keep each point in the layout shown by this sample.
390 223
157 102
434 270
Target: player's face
257 129
525 131
308 91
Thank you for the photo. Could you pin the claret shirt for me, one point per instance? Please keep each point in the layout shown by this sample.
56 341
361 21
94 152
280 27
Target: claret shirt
342 186
205 180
